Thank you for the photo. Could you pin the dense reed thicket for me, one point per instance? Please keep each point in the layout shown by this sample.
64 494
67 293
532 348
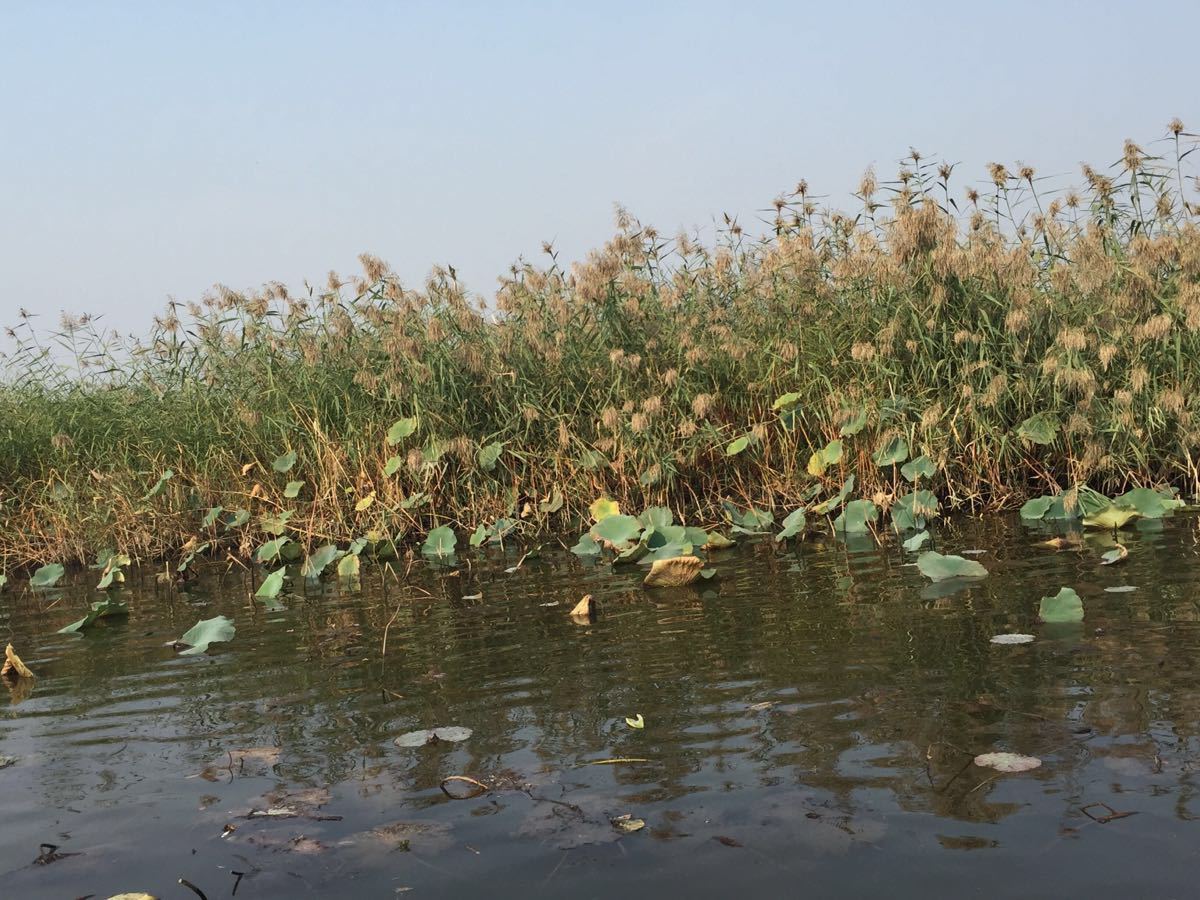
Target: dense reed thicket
1019 337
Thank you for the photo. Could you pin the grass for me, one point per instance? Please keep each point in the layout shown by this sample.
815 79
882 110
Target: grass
1020 338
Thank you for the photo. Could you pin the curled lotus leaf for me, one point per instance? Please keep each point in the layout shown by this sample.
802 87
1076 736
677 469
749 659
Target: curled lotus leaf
678 571
793 524
489 455
1111 517
786 401
717 541
47 576
828 506
272 584
207 631
921 467
1115 555
891 452
319 560
586 546
853 421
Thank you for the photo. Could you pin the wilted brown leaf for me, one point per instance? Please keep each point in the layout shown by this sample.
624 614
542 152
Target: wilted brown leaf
583 611
13 667
676 572
1060 543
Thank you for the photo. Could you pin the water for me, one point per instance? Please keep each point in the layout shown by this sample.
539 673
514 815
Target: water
810 720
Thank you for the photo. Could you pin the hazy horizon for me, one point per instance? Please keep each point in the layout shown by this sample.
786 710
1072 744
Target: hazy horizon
155 152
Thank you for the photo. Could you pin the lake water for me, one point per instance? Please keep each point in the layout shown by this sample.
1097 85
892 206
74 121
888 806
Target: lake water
810 719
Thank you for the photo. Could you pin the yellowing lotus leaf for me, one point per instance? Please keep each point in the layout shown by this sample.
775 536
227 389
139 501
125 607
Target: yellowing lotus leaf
13 667
603 508
675 572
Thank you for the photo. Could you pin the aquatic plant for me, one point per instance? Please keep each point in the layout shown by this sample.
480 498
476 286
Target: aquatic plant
986 344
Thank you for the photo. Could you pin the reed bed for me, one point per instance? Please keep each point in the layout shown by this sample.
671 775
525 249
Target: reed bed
1023 338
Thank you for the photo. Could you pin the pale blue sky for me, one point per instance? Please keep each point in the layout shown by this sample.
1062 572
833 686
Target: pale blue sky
153 149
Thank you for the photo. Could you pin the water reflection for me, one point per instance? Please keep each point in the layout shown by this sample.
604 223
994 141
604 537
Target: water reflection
813 712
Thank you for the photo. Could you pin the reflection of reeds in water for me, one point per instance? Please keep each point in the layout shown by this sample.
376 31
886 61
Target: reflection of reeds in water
951 317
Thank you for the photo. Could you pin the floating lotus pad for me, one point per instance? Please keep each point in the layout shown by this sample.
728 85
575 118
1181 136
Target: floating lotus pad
451 733
1007 762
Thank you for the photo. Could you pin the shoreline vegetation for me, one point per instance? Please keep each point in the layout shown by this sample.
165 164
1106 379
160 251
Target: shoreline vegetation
939 348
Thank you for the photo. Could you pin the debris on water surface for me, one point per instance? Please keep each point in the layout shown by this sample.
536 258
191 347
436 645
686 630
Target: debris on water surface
1060 543
254 759
636 722
474 787
627 824
1110 816
48 853
1007 762
1012 639
420 837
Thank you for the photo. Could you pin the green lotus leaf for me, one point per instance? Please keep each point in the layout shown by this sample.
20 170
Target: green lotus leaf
1065 606
937 567
205 632
891 452
440 542
1038 429
401 429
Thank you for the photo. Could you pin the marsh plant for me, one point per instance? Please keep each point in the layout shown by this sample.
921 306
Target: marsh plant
1007 338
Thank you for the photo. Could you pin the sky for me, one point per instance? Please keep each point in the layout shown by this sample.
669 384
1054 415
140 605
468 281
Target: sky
152 150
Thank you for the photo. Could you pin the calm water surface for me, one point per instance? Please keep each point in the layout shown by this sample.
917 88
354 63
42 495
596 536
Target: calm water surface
810 720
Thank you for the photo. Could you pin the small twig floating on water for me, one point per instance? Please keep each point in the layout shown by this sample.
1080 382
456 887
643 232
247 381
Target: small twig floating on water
479 787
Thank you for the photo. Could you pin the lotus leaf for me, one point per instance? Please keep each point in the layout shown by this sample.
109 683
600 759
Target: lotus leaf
1065 606
937 567
205 632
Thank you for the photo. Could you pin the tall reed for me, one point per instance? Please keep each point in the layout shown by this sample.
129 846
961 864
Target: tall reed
949 316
